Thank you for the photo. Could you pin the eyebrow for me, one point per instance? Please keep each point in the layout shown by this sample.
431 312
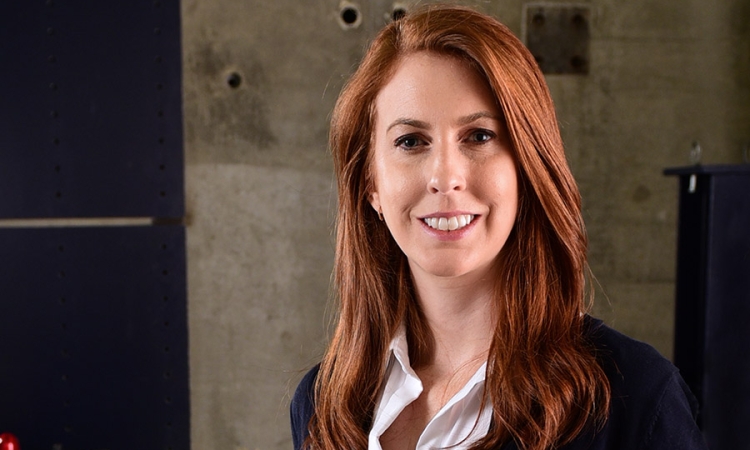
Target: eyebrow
411 122
476 116
461 121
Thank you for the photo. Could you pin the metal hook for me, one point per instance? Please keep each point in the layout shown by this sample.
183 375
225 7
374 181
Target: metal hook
695 153
695 158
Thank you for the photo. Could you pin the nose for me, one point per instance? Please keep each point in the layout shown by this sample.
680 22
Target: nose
448 170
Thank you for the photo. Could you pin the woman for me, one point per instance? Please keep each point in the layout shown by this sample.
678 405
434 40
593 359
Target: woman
460 266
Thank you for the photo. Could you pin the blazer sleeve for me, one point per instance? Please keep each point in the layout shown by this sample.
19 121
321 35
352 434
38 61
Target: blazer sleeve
673 424
302 407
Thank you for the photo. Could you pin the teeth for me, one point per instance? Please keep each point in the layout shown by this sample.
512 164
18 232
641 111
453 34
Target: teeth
449 223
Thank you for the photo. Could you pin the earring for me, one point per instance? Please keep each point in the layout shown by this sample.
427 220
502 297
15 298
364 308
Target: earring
380 214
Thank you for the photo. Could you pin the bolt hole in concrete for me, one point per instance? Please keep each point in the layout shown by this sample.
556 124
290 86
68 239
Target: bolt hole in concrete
234 80
538 19
578 63
579 21
349 16
398 13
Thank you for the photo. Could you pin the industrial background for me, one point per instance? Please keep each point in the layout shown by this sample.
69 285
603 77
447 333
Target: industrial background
661 75
636 85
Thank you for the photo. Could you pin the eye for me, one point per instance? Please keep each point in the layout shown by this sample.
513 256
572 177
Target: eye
409 142
481 136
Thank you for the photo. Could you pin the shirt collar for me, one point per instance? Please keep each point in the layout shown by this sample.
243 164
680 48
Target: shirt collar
450 425
399 348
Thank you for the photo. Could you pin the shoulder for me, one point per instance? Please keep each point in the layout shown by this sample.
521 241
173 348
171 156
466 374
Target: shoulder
302 406
626 361
651 406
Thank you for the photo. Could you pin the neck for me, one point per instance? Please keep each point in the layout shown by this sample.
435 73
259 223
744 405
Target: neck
460 315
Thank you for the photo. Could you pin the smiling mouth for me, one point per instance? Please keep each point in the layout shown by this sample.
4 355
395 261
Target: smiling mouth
449 223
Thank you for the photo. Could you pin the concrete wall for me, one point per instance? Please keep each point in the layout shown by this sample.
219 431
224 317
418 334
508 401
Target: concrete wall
259 185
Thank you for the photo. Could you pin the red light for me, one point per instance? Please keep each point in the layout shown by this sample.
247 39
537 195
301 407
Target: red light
9 442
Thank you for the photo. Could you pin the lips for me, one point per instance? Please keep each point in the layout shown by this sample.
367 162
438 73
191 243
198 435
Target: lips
450 223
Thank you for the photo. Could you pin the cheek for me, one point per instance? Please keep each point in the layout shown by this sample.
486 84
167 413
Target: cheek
395 184
501 189
499 182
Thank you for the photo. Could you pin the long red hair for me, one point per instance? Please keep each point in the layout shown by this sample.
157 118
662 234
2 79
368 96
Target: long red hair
543 379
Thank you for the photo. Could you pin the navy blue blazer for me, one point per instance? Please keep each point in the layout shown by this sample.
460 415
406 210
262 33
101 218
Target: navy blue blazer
651 407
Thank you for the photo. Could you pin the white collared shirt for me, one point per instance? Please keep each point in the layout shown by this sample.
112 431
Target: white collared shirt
459 421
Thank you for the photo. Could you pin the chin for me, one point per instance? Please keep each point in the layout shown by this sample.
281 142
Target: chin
447 271
455 267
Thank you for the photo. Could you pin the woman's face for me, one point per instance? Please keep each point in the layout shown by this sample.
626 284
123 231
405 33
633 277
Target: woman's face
443 168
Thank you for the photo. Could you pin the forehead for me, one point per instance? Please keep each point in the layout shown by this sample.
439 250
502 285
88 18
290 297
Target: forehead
425 84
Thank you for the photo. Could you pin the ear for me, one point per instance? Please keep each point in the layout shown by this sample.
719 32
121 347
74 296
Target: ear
374 200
